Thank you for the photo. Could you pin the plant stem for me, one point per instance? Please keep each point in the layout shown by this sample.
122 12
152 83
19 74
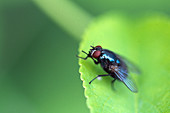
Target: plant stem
68 15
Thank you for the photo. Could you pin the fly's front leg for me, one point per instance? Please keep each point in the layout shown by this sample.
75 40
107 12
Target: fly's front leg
88 55
96 62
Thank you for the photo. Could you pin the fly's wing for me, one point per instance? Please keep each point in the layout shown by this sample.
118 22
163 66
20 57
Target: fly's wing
126 80
131 67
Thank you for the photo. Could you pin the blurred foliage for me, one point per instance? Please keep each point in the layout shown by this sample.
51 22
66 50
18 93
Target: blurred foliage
144 41
39 70
38 67
74 20
131 7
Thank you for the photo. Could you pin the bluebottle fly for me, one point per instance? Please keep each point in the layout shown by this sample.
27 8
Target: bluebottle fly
115 66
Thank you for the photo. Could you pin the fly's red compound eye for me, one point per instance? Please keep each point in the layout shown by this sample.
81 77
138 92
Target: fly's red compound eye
96 54
98 46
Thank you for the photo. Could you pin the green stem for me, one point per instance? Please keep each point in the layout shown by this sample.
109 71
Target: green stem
68 15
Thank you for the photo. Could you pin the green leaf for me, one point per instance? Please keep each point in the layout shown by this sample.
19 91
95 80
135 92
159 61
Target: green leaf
144 41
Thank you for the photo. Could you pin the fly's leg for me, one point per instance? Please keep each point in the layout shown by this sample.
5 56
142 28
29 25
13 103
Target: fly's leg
112 84
96 62
97 77
88 55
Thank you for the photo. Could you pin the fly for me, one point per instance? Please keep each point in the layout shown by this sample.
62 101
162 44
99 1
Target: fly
115 66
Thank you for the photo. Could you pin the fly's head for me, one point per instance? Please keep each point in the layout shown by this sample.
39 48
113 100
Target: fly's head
95 52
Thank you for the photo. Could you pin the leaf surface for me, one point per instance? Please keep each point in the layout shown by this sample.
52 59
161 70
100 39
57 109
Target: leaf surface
144 41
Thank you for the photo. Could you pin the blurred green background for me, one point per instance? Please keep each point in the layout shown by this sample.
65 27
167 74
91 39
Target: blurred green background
38 67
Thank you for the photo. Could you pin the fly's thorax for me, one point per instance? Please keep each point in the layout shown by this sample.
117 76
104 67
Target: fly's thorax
109 61
107 58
